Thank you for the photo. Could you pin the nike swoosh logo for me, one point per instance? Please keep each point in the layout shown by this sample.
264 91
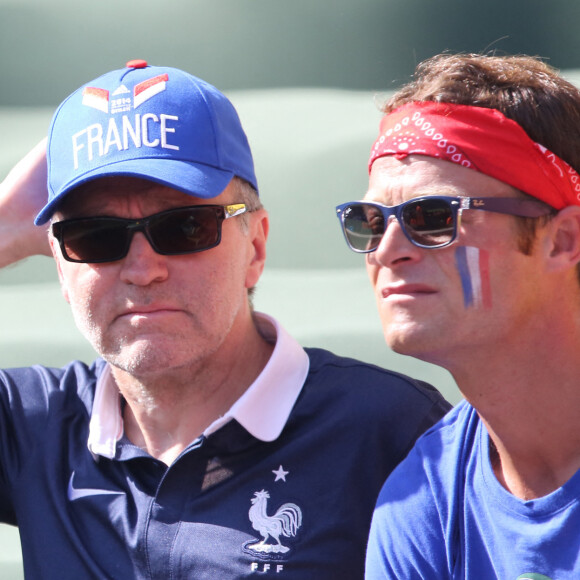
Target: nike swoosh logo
75 493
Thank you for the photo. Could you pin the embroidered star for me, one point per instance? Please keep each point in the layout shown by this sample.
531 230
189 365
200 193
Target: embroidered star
280 473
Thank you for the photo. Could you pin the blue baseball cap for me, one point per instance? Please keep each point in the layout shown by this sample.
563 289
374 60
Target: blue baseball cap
157 123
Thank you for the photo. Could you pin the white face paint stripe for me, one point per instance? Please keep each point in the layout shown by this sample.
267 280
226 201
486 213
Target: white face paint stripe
472 259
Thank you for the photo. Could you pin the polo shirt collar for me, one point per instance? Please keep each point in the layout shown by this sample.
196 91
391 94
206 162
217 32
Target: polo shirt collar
262 410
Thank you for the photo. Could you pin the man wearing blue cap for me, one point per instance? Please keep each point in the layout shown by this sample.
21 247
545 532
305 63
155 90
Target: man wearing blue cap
204 442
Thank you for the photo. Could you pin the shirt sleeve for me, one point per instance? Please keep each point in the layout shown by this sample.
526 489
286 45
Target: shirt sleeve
407 538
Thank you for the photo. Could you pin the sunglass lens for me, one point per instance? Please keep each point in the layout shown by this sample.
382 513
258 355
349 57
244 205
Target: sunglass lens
186 230
429 222
94 240
364 226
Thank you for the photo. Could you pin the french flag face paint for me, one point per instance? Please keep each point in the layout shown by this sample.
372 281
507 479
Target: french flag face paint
473 266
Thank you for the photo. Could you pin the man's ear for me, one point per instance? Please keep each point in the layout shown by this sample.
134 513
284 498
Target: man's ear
564 238
259 227
57 258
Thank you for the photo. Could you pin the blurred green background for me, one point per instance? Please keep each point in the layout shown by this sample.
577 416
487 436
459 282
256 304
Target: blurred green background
306 77
49 48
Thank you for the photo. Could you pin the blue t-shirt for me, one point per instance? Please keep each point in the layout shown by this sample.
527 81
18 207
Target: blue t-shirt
231 506
443 514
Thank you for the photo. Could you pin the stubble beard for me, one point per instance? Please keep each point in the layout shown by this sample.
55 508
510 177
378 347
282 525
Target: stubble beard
144 358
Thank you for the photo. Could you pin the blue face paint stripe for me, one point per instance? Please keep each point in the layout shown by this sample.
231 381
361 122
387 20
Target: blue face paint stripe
463 267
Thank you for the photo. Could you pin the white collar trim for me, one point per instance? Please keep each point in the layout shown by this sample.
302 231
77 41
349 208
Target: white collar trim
106 425
262 410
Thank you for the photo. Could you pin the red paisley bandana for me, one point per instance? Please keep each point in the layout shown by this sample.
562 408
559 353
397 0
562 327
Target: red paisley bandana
481 139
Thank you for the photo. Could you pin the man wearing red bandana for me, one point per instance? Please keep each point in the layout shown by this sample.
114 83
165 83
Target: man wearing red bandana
493 490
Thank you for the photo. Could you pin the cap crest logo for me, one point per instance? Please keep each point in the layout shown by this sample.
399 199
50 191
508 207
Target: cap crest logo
100 100
122 90
147 89
96 98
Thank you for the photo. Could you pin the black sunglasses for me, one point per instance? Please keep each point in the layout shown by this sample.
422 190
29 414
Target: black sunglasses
428 222
183 230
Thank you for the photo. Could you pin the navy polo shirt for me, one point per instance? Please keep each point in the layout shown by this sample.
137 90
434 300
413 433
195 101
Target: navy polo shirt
282 486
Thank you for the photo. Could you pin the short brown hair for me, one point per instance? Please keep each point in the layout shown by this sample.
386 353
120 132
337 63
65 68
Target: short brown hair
524 88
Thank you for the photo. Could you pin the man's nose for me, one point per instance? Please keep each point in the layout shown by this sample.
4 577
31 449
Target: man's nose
394 246
143 265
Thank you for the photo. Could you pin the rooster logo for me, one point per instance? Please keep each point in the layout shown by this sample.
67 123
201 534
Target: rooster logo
285 522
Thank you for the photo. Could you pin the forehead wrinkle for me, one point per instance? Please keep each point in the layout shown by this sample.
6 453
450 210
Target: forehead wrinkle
414 176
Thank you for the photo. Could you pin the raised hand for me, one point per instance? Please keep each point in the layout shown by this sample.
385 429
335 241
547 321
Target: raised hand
22 195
